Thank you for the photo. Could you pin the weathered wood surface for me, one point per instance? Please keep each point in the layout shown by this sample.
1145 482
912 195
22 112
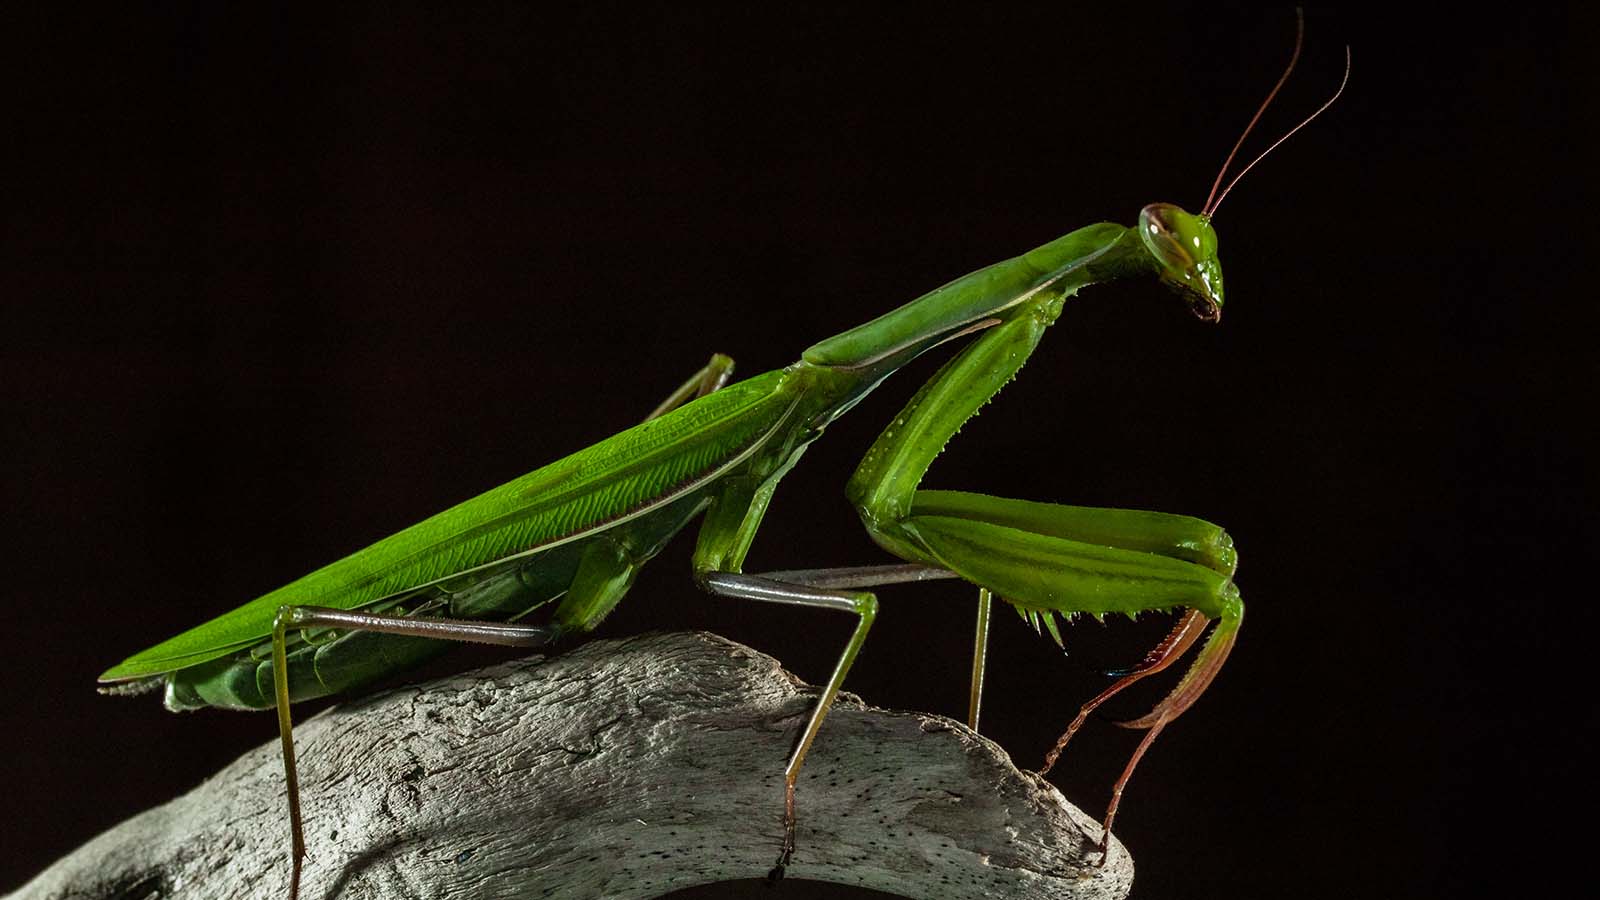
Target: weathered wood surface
624 768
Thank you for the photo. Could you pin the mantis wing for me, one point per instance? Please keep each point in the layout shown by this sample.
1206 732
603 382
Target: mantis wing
595 489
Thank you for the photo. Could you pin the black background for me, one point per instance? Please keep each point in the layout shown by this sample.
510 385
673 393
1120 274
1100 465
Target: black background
277 284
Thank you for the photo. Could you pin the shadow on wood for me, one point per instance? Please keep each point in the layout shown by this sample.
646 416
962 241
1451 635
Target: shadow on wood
625 768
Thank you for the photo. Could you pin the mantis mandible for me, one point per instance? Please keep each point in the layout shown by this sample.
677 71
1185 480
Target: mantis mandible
576 532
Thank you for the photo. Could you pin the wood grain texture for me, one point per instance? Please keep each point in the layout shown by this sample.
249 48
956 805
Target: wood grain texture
626 769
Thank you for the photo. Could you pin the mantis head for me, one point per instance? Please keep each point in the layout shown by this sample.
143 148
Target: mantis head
1184 247
1183 244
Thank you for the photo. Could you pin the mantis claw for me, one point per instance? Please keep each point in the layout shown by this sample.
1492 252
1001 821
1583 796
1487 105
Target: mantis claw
1105 850
1164 654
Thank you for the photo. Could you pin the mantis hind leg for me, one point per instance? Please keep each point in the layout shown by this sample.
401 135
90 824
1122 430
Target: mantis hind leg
603 575
302 617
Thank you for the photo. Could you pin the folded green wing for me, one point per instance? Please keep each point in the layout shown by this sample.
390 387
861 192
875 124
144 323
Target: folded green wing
591 490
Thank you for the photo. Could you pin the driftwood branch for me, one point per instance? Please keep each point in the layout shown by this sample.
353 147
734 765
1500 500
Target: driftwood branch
622 769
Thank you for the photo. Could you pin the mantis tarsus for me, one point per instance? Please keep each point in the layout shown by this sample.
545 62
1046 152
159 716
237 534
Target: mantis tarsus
576 532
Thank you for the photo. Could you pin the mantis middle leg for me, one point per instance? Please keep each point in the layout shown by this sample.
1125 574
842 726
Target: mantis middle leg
711 377
725 539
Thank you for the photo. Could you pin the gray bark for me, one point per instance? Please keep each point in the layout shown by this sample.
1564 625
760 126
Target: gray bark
621 769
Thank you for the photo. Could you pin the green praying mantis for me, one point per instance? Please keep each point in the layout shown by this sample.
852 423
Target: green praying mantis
576 532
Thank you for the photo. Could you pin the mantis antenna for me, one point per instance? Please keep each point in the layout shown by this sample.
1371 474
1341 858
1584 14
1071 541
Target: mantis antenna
1210 208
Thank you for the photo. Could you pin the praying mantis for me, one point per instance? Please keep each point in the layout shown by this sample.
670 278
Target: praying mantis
575 533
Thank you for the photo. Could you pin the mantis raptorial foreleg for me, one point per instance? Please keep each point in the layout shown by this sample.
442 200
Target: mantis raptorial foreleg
1164 654
1045 559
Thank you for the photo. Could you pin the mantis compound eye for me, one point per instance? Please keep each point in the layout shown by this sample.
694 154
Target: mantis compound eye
1184 246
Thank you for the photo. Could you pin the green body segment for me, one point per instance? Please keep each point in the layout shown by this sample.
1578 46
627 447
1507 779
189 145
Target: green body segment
1180 537
1037 556
1042 572
495 556
1071 559
576 532
1097 252
578 529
